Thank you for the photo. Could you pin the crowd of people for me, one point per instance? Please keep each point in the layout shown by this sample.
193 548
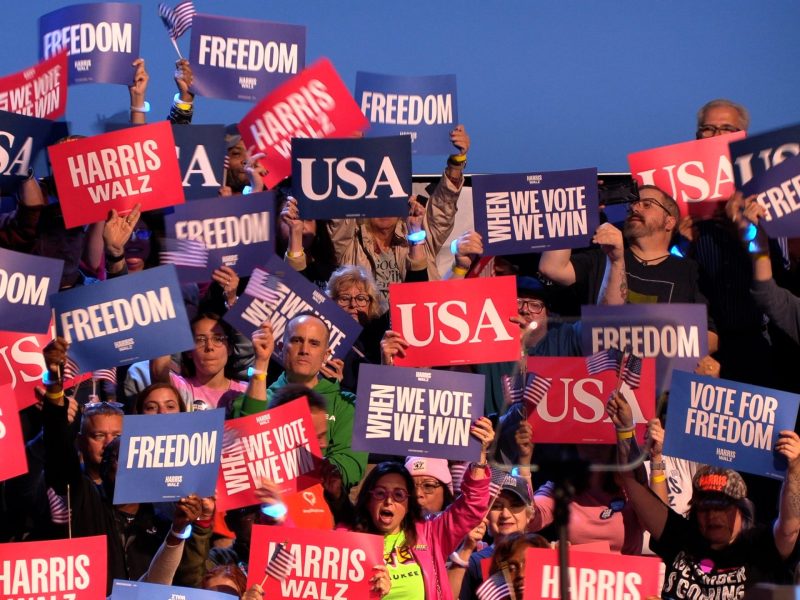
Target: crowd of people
438 519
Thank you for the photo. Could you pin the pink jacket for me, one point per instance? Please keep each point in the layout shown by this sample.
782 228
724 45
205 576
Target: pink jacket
440 536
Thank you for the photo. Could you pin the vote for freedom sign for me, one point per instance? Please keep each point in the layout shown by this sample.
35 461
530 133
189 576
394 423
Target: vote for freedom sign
418 412
778 191
461 321
116 170
166 457
323 564
532 212
39 91
279 444
343 178
73 569
728 424
237 232
124 320
313 104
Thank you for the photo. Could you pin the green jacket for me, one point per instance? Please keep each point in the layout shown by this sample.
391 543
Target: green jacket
341 411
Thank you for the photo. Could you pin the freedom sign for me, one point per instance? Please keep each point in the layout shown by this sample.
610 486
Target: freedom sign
124 320
12 446
313 104
728 424
117 170
418 412
755 155
424 108
574 409
676 335
342 178
39 91
74 569
139 590
697 174
101 39
346 558
237 232
462 321
778 191
166 457
276 293
26 282
531 212
201 158
243 59
279 444
591 575
21 140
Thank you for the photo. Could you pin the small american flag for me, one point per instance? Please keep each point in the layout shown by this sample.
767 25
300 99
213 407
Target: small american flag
106 374
264 286
512 388
226 164
536 387
603 361
494 588
281 563
184 253
177 20
59 513
632 371
497 480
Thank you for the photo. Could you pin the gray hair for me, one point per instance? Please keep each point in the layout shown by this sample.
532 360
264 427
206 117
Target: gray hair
744 115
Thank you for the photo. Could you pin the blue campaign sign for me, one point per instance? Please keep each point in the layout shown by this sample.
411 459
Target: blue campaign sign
728 424
26 282
201 157
423 108
101 39
21 140
244 59
676 335
341 178
778 191
124 320
418 412
237 231
531 212
166 457
755 155
139 590
276 292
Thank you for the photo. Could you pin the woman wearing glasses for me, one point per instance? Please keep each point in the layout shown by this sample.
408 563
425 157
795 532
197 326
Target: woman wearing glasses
433 482
204 383
415 548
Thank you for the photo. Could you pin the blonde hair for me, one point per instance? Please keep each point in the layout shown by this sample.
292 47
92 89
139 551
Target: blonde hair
355 275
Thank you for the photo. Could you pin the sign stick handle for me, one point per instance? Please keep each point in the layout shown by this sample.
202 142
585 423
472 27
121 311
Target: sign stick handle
178 50
263 581
69 513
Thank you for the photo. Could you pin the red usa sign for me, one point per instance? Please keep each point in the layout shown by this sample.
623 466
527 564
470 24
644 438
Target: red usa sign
697 174
117 170
12 446
464 321
574 409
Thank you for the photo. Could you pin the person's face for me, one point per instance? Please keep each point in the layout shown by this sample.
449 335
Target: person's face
137 249
98 432
223 584
646 217
237 155
532 310
507 515
383 223
719 120
354 300
161 401
431 501
319 419
211 347
516 567
719 525
388 514
305 349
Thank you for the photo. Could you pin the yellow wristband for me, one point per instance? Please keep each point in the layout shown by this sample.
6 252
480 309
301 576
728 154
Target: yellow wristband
295 254
55 395
624 435
461 271
658 478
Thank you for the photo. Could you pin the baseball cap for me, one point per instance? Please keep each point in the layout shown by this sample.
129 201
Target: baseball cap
517 486
717 486
432 467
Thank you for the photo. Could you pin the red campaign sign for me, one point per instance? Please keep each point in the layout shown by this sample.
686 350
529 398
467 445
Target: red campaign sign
278 444
309 508
117 170
12 446
574 409
315 103
697 174
65 569
463 321
38 91
591 575
324 564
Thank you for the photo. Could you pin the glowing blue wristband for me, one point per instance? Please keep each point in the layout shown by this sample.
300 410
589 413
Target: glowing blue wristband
145 108
454 247
182 535
417 237
274 511
750 233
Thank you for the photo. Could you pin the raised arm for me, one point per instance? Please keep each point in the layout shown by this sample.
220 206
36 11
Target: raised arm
614 289
556 266
788 524
138 93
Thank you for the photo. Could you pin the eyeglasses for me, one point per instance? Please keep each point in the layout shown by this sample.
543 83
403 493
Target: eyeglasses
110 407
397 494
346 299
141 234
428 487
707 131
513 508
531 306
646 204
216 340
